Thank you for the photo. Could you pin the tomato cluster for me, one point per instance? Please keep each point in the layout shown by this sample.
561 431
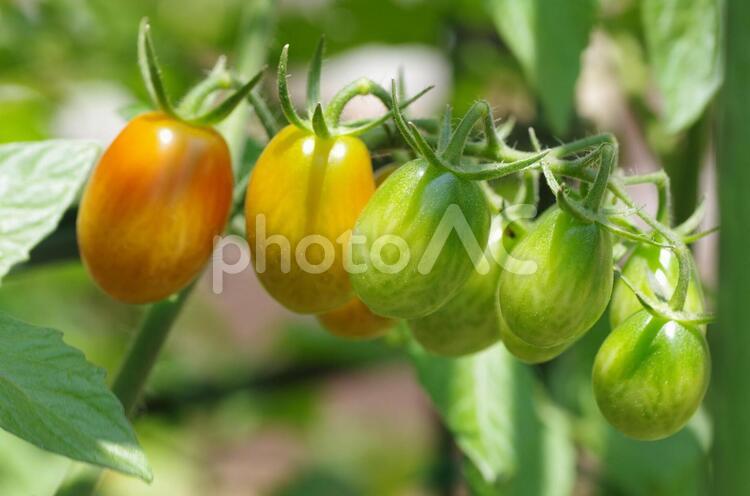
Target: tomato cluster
429 243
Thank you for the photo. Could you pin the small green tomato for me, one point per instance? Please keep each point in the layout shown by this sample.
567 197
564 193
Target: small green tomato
650 375
393 242
570 288
468 322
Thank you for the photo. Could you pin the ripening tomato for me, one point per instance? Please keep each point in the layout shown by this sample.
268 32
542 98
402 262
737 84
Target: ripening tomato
647 266
570 288
468 322
400 267
303 199
354 320
650 375
160 194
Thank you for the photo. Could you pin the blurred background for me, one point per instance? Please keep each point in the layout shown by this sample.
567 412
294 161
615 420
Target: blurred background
250 399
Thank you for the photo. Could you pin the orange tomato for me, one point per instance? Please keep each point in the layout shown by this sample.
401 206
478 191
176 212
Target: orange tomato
160 194
303 199
355 320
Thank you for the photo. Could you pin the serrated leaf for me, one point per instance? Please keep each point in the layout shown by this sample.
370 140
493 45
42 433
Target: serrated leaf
38 181
684 46
53 398
547 37
515 442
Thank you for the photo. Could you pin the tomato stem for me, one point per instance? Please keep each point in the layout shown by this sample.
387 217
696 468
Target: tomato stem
145 348
226 107
368 124
218 79
694 221
661 180
270 125
359 87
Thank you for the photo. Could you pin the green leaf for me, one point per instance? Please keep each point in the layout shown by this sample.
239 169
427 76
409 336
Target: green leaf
514 440
684 46
547 37
53 398
38 181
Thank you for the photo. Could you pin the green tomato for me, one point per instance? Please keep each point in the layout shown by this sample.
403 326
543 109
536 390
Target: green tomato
392 242
650 375
570 288
662 264
468 322
524 351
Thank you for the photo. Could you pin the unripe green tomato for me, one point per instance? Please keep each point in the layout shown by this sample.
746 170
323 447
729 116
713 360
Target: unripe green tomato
570 288
663 264
524 351
303 198
393 233
468 322
650 375
149 214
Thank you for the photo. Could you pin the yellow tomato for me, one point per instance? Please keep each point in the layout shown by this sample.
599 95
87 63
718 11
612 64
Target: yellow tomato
160 194
303 199
355 320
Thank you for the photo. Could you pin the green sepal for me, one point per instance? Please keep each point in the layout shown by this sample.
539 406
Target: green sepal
151 71
663 310
313 76
226 107
320 127
285 99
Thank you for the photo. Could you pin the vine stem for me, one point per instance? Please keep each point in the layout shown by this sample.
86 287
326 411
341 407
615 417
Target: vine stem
555 163
144 350
677 301
360 87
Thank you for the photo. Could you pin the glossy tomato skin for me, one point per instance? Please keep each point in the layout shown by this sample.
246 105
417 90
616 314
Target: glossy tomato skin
525 352
409 207
570 288
355 321
649 262
148 217
310 190
650 375
468 323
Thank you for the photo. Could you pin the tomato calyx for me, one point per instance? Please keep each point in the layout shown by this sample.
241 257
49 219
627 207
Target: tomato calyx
451 143
322 121
664 309
191 110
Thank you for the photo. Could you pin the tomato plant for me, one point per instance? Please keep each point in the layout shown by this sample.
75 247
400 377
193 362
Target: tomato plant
400 231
